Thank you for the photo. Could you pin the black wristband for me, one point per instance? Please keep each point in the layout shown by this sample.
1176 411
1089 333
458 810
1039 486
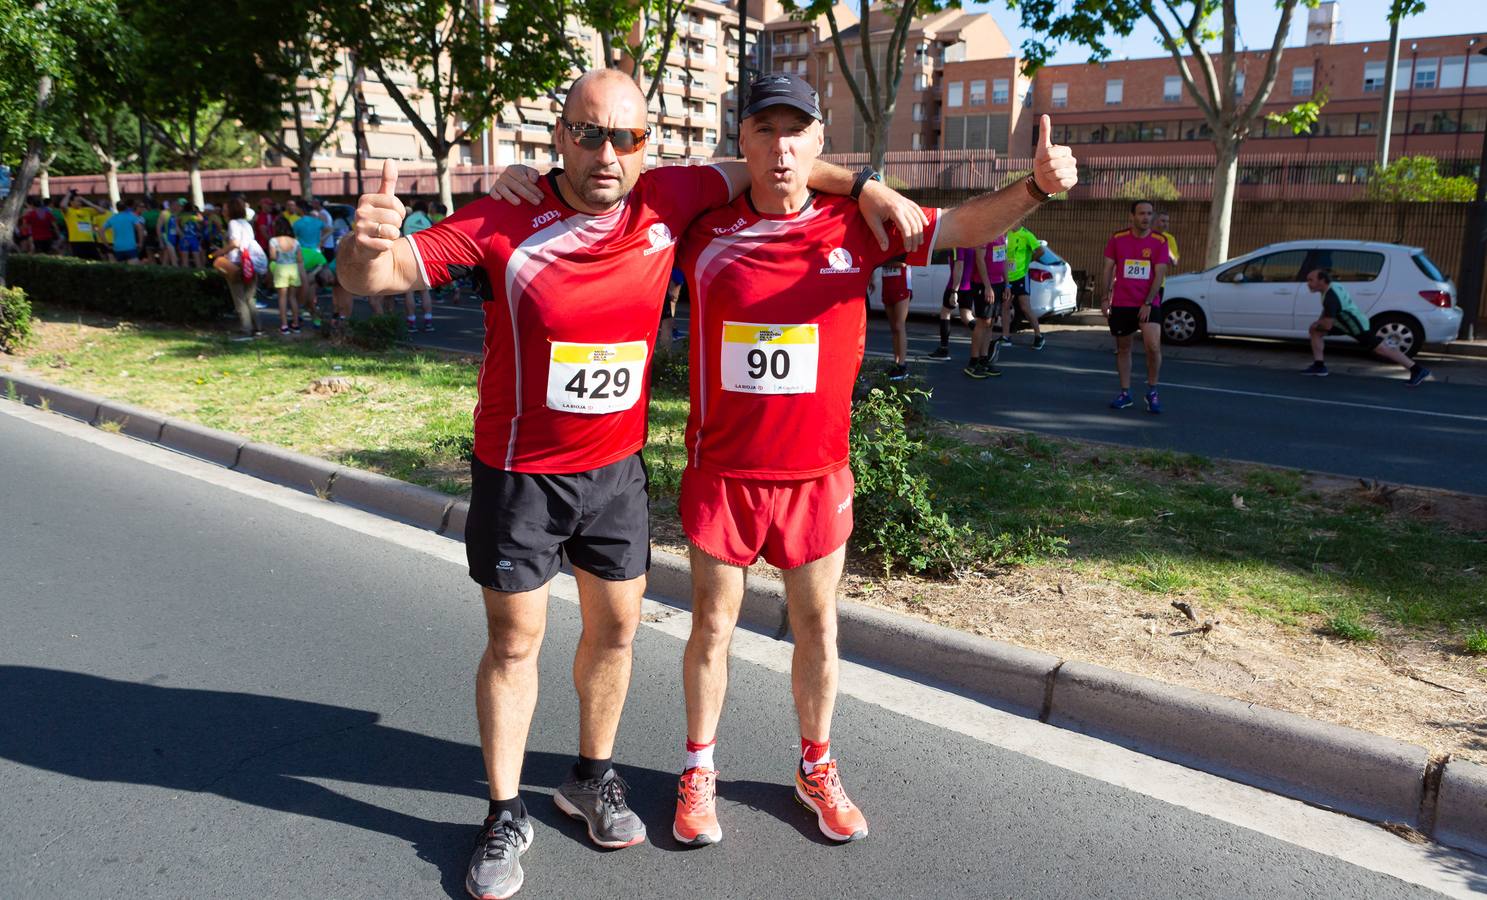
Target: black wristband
1036 192
867 174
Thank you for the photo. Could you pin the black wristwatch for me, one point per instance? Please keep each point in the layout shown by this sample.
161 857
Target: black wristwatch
867 174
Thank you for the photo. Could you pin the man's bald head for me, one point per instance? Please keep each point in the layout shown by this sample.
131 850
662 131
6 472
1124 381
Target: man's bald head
602 88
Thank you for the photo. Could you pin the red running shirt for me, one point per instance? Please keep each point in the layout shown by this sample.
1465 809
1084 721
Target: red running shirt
571 303
1136 260
779 315
43 226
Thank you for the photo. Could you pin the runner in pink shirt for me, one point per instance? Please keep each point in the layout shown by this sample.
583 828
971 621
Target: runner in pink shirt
1136 261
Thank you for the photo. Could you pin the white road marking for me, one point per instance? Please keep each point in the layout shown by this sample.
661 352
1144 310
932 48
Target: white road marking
1353 841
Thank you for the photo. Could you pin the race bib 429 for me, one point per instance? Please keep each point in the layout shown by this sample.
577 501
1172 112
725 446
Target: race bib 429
770 359
595 378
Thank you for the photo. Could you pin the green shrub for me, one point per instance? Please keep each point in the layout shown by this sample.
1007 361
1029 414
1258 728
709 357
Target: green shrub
669 369
1415 179
378 332
894 513
160 293
1148 187
15 319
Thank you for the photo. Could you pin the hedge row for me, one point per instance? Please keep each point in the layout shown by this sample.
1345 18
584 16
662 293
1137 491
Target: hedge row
186 296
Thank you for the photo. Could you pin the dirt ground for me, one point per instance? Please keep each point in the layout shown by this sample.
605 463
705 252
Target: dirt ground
1406 685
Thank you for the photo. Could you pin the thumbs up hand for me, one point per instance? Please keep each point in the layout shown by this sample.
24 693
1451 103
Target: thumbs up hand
1054 168
379 216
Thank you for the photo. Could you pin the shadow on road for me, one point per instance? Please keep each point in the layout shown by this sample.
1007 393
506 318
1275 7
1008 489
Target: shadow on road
261 750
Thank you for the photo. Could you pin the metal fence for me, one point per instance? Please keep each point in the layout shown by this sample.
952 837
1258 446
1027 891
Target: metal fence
1314 176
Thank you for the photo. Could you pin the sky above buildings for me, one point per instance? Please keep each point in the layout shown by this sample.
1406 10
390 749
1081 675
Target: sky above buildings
1362 20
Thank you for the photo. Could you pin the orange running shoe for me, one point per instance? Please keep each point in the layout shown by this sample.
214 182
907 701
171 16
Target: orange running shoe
696 822
821 792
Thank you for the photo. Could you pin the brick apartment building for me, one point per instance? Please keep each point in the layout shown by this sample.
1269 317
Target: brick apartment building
962 89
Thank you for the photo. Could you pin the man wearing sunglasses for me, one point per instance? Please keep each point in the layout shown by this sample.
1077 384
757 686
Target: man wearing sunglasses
574 285
777 279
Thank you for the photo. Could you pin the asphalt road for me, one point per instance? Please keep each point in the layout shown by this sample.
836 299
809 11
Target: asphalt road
1243 399
211 687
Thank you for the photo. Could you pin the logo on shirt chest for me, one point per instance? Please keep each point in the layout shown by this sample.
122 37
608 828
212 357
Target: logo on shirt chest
546 217
660 238
839 262
1146 253
729 229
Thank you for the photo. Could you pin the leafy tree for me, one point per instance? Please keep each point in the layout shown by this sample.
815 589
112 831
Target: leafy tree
1187 27
43 47
875 91
657 34
200 66
1416 179
466 65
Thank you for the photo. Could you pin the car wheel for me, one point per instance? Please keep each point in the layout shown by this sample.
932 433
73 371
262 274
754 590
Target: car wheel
1183 322
1401 332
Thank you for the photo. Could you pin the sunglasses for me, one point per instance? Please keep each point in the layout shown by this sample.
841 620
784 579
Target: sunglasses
592 137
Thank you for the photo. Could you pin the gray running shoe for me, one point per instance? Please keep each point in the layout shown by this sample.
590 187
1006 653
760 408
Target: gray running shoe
600 802
495 868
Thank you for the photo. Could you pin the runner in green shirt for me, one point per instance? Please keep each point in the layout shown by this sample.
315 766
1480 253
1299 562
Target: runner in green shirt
1341 317
1022 247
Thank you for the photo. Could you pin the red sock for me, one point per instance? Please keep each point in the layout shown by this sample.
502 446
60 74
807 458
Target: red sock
813 753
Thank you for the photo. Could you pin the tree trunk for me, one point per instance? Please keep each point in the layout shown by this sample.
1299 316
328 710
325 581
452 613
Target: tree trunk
306 183
1221 211
877 142
113 182
10 209
445 177
197 197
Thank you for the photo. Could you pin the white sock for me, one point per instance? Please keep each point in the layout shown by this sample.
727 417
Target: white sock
701 758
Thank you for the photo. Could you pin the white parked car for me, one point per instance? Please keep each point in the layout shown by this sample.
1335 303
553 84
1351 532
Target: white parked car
1407 300
1051 286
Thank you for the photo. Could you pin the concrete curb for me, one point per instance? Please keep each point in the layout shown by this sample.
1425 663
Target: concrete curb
296 470
202 442
407 503
133 421
1350 771
1461 811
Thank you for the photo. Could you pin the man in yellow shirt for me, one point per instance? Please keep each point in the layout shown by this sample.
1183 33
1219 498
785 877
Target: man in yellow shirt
1159 228
79 213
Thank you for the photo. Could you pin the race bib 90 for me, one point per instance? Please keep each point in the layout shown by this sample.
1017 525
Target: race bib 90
999 253
595 378
770 359
1138 269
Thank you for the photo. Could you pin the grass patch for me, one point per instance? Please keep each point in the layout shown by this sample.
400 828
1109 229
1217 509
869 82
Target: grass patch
1347 627
1476 643
1159 522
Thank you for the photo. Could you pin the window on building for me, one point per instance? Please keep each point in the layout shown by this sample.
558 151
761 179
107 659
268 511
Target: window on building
1060 95
710 136
828 117
1239 84
953 96
1373 76
1301 81
1426 71
1171 89
1476 73
918 112
918 141
712 110
921 82
978 92
1452 70
829 85
1114 90
1403 75
1001 90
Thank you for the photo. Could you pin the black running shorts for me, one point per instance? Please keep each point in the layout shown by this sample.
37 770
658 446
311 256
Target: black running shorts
989 304
519 525
1368 339
968 299
1126 320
